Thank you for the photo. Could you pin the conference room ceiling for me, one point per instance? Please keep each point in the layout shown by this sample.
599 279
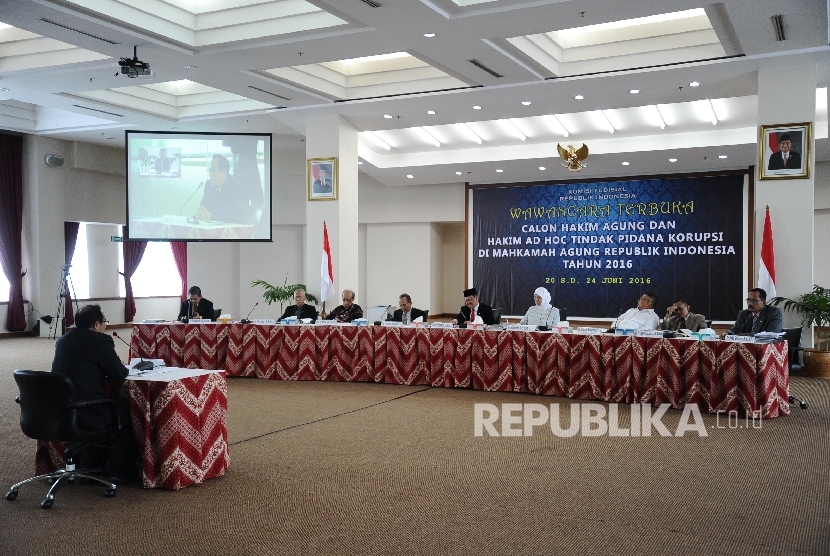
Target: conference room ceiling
409 75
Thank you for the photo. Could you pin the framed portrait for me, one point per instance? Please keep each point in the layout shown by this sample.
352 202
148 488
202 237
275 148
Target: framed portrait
784 151
322 179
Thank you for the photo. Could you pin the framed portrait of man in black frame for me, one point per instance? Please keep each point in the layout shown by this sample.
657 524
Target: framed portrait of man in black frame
784 151
322 179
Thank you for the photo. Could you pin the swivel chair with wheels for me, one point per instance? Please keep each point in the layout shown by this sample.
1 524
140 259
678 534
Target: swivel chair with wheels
48 412
794 358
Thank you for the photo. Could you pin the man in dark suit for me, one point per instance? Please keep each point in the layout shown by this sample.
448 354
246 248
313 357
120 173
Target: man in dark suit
679 316
224 200
407 313
300 309
472 309
758 317
784 158
322 185
197 307
86 354
162 162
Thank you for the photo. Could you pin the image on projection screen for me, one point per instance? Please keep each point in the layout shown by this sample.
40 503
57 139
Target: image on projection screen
198 186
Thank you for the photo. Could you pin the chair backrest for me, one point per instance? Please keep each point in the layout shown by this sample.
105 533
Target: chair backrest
496 315
43 404
563 313
426 314
217 313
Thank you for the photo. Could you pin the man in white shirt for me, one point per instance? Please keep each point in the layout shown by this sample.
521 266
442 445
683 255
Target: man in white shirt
642 317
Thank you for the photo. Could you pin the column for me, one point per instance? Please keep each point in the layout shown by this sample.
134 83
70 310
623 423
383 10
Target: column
787 95
329 136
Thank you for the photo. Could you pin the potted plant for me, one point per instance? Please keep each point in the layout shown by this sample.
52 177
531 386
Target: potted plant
815 306
283 293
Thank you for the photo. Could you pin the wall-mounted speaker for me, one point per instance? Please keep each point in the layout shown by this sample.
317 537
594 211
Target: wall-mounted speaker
54 160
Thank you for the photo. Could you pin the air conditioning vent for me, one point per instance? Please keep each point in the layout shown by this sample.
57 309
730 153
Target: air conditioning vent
478 64
62 26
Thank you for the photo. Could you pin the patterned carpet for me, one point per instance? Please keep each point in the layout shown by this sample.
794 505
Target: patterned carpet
354 468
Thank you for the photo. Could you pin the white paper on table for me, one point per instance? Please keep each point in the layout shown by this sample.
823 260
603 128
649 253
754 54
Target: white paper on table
419 319
305 321
478 320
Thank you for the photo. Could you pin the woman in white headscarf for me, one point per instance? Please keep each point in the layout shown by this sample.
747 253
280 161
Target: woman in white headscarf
542 313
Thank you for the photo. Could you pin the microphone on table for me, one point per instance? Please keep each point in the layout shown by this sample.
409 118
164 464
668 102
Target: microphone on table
245 320
141 366
198 187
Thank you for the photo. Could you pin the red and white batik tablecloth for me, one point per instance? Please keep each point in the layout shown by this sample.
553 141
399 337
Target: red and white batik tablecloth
718 376
180 422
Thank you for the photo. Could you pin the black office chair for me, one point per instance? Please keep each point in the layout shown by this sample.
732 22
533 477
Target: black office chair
426 315
48 413
794 356
563 313
497 315
216 314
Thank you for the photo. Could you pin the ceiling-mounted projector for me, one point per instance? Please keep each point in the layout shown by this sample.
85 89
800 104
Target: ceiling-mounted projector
135 68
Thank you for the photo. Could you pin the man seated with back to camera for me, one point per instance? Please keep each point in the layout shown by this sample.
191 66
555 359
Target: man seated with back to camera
300 308
347 312
679 316
196 307
640 318
407 313
758 316
86 354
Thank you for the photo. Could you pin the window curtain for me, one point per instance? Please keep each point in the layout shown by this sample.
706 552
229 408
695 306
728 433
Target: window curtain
133 252
180 256
70 238
11 226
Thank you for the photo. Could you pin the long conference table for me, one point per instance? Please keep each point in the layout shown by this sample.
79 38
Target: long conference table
718 376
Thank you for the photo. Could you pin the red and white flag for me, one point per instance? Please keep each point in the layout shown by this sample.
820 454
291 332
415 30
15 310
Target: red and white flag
766 274
326 273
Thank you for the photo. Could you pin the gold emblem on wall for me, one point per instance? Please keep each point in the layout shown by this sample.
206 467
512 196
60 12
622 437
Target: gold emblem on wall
572 158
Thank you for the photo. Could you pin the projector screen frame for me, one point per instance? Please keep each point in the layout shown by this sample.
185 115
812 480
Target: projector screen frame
267 193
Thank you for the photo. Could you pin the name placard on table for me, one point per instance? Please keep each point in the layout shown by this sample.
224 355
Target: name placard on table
740 339
590 330
521 327
441 325
325 322
199 321
265 321
650 334
392 324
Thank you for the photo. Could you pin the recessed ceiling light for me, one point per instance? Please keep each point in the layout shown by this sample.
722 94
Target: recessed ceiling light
722 156
626 163
429 35
634 91
431 112
476 107
360 162
410 176
499 170
387 116
526 103
191 67
458 173
579 97
542 168
694 84
672 160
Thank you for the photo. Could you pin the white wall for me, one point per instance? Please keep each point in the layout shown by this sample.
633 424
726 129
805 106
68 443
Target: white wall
452 267
399 261
104 280
52 196
821 253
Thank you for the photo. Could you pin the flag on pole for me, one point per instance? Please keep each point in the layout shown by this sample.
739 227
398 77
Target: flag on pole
766 274
326 273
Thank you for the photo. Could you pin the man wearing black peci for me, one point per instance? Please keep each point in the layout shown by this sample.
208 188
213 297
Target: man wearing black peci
86 354
300 309
758 316
407 313
196 307
472 309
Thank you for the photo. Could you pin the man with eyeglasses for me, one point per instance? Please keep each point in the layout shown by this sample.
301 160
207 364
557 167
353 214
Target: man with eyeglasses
347 312
758 316
223 200
86 354
300 309
640 318
407 313
196 306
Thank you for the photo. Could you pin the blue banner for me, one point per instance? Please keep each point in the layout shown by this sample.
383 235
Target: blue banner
597 247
